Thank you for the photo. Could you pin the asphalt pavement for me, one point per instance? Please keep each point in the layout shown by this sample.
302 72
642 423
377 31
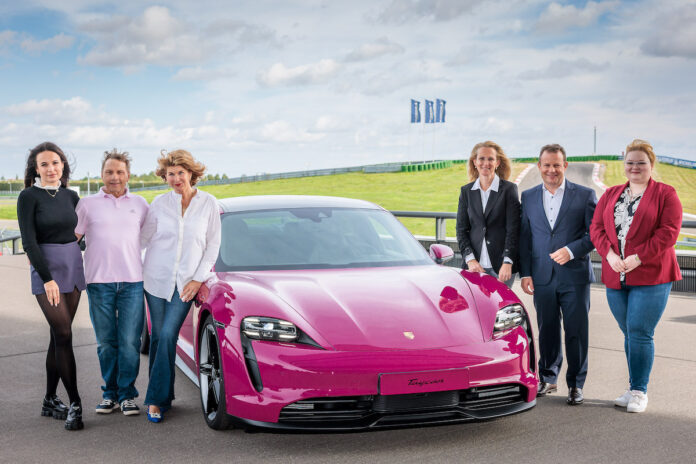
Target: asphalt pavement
551 432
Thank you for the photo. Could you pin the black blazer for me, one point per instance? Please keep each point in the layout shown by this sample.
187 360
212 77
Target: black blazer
499 224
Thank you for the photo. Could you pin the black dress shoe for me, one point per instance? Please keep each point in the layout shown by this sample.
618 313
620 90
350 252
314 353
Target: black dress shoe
575 396
74 420
546 388
53 407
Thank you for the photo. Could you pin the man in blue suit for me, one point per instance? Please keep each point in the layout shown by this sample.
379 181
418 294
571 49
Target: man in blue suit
555 268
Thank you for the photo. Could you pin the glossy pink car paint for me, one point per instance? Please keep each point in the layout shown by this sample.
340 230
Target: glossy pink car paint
451 319
382 331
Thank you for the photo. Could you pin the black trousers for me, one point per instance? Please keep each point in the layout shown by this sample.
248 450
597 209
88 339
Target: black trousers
570 303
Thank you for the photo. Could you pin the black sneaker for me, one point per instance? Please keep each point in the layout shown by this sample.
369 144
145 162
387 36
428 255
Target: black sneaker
74 420
54 407
129 408
107 406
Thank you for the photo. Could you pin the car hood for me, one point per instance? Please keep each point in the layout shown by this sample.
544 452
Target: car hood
404 308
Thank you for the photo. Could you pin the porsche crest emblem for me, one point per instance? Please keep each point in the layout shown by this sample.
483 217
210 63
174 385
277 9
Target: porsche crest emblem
409 335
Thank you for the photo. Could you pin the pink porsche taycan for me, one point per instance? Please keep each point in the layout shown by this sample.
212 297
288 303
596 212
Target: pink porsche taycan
327 314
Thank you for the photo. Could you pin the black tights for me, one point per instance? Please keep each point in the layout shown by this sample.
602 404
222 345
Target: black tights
60 360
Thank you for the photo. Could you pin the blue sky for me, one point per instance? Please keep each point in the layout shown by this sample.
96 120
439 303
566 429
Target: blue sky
268 86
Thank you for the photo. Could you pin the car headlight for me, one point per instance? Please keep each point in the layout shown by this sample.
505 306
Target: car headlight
269 328
510 317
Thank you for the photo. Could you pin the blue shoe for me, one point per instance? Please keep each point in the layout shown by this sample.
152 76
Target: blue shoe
155 416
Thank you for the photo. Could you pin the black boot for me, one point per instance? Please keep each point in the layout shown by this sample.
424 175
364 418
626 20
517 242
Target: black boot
74 421
53 406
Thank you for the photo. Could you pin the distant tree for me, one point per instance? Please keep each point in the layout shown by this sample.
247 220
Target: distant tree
224 177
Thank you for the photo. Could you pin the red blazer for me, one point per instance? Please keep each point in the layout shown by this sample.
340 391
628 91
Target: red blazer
653 233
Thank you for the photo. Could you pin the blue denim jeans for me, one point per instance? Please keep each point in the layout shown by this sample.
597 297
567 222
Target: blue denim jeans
166 318
637 309
116 310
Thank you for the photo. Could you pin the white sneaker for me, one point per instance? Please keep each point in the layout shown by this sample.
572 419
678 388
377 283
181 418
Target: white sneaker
622 401
638 402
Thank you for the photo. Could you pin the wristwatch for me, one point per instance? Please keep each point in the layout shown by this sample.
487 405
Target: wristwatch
637 259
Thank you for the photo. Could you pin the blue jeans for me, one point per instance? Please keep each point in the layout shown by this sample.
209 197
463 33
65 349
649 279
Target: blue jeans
637 309
116 310
166 318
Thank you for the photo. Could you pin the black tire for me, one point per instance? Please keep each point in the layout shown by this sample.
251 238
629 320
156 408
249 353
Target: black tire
210 377
145 336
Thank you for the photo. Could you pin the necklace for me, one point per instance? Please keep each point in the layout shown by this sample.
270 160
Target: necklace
634 196
53 195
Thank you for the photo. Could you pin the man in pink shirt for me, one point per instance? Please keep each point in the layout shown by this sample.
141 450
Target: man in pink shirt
110 220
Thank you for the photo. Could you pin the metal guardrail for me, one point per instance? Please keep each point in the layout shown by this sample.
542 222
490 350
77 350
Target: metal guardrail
686 260
11 236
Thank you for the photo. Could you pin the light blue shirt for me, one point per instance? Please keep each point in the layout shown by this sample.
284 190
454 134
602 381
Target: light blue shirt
552 205
485 260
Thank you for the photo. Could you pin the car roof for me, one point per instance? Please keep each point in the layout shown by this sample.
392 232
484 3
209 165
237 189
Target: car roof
261 202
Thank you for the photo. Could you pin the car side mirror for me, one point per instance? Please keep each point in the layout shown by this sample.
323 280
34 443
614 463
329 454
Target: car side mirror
441 253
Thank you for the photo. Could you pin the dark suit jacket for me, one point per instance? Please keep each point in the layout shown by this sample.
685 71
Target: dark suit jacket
499 224
652 235
572 229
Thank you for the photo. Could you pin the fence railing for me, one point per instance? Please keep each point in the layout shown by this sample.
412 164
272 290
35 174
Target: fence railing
442 217
685 259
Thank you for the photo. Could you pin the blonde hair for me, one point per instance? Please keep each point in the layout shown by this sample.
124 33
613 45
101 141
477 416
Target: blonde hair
179 158
645 147
503 170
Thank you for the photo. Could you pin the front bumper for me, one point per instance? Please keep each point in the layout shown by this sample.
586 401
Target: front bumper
306 388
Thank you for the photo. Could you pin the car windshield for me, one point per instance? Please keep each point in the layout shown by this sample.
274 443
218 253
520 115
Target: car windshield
316 238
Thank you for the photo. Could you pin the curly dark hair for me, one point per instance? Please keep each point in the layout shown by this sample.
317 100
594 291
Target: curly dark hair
30 173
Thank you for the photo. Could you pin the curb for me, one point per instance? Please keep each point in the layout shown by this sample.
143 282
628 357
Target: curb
595 177
521 175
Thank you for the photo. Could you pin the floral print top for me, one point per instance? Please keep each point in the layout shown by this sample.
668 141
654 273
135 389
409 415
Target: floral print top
624 210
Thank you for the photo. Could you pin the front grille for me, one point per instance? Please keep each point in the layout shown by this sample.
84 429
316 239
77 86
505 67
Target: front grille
395 410
480 398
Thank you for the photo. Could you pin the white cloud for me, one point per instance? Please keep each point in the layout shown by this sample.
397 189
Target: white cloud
56 111
156 37
401 11
244 33
315 73
673 34
561 68
328 123
368 51
283 131
558 18
199 73
159 37
403 74
51 45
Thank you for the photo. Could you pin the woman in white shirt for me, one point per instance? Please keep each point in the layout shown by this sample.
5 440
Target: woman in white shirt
182 237
488 217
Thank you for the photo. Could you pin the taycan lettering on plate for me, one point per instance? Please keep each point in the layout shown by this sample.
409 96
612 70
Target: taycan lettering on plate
423 381
420 382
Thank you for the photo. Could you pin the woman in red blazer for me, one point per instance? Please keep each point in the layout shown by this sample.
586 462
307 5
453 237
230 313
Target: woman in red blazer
634 228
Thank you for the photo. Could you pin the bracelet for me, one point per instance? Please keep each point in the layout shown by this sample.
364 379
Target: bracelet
637 259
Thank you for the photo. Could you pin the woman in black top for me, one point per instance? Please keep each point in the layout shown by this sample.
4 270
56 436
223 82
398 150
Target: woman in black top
488 218
47 220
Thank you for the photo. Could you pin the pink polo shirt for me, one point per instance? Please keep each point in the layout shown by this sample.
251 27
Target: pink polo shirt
111 227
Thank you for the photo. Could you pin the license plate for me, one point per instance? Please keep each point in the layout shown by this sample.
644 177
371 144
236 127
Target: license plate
422 382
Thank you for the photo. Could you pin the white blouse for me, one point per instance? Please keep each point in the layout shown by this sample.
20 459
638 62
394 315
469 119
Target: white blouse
179 248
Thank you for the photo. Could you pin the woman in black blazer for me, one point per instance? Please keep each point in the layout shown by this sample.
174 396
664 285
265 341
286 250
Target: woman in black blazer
488 218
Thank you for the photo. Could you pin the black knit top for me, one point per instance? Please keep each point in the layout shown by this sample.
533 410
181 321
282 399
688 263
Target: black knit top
45 219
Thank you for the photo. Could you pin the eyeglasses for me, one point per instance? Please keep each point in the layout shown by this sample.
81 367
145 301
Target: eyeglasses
640 164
